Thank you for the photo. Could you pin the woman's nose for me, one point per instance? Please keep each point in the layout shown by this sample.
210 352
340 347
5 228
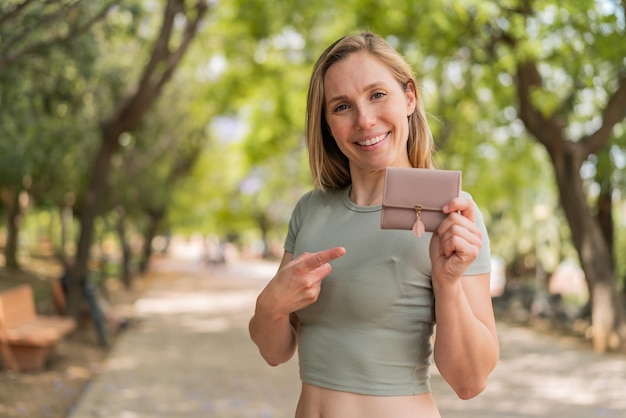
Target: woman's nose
365 118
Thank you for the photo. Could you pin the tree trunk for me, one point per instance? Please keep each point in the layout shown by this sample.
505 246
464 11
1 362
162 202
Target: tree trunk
10 200
567 157
593 251
89 212
263 223
604 218
154 221
126 276
604 214
67 216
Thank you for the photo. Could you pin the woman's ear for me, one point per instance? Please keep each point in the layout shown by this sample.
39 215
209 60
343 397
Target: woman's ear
411 96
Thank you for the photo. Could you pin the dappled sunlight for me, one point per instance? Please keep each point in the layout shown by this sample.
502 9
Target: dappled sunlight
541 376
204 300
200 312
191 353
177 303
207 325
566 389
122 363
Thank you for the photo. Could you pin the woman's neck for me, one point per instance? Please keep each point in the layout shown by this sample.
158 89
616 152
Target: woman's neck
367 190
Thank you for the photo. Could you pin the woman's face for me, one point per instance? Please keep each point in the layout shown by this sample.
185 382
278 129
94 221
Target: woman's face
367 112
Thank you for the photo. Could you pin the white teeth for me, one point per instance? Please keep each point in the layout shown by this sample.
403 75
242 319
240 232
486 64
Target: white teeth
372 141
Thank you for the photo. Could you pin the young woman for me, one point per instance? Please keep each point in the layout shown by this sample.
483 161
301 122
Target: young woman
360 303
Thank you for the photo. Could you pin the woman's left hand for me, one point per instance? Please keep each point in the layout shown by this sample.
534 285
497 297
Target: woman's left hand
457 242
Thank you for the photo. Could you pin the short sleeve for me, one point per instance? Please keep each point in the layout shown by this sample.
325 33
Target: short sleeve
297 217
482 264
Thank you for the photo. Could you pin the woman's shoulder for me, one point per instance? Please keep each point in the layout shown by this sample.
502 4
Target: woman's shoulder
310 204
320 196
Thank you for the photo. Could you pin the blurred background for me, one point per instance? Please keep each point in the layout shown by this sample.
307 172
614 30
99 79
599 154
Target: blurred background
126 124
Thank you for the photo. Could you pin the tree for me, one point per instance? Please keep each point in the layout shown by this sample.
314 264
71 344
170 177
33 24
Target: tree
157 157
549 119
593 242
126 117
35 27
43 104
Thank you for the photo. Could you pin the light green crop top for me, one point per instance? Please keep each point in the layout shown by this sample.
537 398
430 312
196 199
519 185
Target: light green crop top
369 331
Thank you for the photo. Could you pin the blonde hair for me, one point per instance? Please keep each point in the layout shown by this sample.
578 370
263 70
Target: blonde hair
329 167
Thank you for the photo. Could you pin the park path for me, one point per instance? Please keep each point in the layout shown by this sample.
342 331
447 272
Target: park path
190 357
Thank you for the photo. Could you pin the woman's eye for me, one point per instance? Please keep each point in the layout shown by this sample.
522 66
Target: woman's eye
378 95
341 108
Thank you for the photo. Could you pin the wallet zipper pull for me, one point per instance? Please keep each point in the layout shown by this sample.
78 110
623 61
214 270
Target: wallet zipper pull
418 227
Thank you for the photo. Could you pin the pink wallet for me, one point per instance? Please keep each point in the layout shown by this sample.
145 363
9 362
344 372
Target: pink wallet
413 198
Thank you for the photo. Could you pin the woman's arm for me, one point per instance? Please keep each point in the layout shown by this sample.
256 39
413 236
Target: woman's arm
270 328
466 342
273 328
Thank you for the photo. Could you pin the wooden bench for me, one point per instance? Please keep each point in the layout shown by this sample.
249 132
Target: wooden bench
26 339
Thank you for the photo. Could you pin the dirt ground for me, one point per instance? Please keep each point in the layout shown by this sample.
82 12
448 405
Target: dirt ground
52 393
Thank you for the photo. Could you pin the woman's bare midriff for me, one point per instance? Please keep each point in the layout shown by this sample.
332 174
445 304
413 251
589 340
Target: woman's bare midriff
317 402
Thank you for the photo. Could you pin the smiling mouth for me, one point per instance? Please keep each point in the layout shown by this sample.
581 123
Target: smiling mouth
373 141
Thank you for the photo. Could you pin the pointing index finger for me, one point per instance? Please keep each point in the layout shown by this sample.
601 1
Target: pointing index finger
322 257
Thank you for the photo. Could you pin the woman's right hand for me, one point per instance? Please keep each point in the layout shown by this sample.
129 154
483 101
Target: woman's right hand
298 282
296 285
